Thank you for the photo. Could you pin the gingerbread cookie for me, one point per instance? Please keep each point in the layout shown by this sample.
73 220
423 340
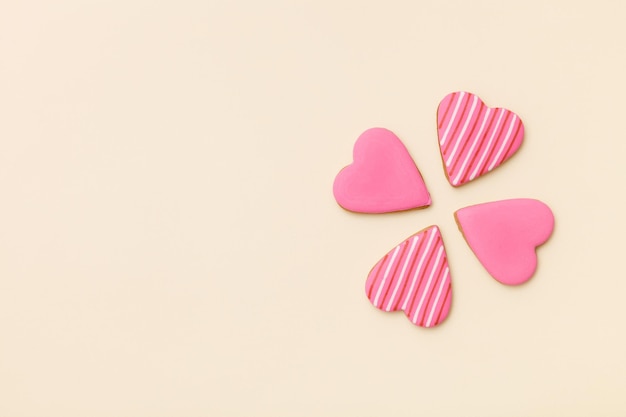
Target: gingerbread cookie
414 277
475 139
383 177
504 234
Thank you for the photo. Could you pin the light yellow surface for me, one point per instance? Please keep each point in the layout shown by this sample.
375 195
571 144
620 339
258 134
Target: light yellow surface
170 245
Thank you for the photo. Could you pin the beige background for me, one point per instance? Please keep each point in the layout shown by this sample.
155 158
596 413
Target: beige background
170 246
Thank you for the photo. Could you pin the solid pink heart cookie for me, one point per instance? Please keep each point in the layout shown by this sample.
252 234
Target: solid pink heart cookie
473 138
383 177
414 277
504 234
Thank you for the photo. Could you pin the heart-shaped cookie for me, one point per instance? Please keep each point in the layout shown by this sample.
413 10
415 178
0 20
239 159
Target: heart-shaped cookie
414 277
383 177
473 138
504 234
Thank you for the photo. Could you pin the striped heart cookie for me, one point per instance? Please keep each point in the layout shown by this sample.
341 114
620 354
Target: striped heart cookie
473 138
504 234
414 277
383 177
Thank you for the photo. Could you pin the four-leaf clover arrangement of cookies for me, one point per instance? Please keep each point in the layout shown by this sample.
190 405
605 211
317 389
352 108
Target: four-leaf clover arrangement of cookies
414 276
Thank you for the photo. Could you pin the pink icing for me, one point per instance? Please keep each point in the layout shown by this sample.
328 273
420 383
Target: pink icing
504 234
414 277
475 139
383 177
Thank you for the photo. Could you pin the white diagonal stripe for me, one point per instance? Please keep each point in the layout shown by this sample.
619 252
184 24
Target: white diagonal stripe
406 262
456 108
495 130
469 154
382 283
434 306
506 139
458 139
417 270
427 287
